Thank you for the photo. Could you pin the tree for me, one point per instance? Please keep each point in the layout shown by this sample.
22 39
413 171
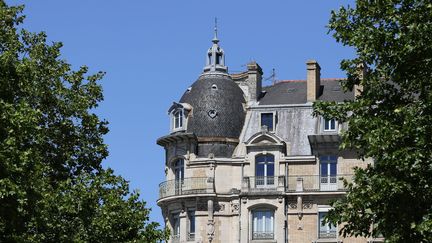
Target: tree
390 121
52 185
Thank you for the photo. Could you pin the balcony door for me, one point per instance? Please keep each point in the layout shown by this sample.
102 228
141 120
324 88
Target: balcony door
264 173
179 175
328 173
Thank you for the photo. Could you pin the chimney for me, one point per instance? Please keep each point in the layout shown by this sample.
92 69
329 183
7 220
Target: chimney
254 81
313 80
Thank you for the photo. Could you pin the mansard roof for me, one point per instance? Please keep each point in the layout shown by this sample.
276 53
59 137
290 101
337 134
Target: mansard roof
295 92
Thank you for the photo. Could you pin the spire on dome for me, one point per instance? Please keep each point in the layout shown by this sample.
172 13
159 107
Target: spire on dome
215 61
215 38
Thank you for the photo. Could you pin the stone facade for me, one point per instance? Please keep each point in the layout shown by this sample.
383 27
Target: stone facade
274 181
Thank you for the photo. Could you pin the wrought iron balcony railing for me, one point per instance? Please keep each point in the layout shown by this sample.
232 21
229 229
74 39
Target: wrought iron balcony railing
175 238
327 234
317 183
263 183
262 235
194 185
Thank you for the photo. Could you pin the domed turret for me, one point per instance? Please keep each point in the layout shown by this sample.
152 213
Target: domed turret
217 106
217 109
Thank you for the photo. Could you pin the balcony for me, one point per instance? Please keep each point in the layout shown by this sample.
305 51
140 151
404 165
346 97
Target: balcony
311 183
263 183
263 235
327 234
187 186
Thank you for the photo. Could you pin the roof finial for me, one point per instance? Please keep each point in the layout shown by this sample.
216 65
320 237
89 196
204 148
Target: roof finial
215 39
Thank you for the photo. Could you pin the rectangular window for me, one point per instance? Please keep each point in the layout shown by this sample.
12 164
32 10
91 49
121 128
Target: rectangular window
176 227
330 125
328 173
326 231
191 226
263 224
267 120
178 119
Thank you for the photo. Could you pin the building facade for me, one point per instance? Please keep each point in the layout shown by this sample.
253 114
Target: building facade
246 163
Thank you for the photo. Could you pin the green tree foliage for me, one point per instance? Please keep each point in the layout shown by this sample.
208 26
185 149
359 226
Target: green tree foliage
52 185
391 121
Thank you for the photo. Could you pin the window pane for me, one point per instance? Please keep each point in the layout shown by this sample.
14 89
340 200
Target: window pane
324 169
259 170
333 169
270 169
191 221
267 120
260 158
326 125
333 124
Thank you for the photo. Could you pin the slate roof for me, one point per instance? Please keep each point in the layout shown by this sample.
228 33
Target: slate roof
217 103
294 92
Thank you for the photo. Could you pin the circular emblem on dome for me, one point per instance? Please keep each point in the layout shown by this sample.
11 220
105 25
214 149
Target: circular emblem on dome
212 113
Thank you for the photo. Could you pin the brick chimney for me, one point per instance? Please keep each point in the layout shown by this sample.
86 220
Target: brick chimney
313 80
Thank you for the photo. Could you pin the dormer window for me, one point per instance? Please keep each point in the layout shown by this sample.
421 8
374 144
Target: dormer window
268 120
178 115
178 119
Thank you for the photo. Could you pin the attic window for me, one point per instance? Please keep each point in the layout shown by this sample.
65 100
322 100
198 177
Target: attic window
214 87
189 89
291 90
267 119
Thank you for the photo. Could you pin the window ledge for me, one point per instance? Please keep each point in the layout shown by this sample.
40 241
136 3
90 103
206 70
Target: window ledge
328 241
264 241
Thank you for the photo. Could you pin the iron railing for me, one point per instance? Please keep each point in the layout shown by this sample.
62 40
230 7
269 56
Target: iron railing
263 183
317 182
194 185
175 239
327 234
190 236
262 235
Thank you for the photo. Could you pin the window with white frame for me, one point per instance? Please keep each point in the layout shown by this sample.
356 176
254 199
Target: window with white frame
191 225
175 227
330 125
264 170
328 173
262 224
177 119
325 230
267 119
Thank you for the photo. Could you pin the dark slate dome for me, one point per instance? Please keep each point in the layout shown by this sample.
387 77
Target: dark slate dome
217 106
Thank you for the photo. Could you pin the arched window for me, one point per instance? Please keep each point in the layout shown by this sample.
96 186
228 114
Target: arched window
262 224
264 170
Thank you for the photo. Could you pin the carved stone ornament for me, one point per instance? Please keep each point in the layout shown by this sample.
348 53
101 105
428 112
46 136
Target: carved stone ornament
210 230
292 205
235 207
212 113
220 207
307 205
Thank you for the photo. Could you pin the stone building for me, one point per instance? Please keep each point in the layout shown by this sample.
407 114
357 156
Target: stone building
246 163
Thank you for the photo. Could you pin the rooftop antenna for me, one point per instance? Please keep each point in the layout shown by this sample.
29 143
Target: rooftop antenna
272 77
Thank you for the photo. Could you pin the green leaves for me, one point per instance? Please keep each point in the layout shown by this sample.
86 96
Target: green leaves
52 185
390 121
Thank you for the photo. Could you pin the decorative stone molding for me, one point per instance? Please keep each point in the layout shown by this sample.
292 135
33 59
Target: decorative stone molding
235 207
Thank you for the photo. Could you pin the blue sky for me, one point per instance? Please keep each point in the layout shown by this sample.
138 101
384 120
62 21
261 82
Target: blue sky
153 50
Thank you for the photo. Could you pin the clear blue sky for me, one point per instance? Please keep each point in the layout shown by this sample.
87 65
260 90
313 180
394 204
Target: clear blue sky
152 50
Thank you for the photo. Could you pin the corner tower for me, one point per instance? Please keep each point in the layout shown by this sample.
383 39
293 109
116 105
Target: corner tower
199 197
